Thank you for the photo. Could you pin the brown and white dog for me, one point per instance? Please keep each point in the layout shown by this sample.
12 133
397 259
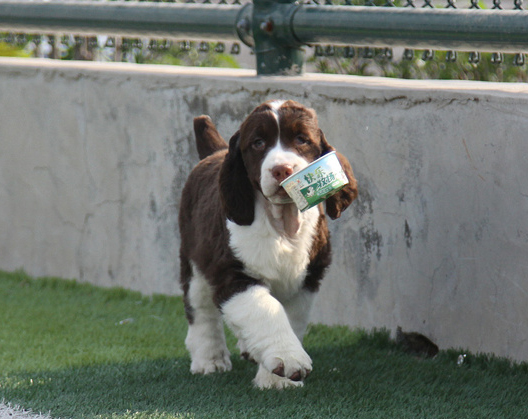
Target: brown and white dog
248 256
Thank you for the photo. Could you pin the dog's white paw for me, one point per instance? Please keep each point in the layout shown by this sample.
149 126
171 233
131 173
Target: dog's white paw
206 344
218 362
294 364
267 380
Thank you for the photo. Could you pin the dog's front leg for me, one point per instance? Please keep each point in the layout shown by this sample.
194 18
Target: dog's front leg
261 322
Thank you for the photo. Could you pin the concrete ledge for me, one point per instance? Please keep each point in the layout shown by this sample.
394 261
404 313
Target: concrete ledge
93 157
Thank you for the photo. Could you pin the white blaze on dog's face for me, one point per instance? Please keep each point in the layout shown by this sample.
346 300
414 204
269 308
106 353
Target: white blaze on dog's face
278 139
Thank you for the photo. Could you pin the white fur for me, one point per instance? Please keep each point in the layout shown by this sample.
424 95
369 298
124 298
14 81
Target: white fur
278 260
275 106
261 323
278 156
298 309
267 380
205 338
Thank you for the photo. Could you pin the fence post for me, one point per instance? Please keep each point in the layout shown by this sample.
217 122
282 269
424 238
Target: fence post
276 48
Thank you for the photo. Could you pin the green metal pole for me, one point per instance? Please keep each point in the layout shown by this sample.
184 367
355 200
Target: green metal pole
278 52
187 21
463 30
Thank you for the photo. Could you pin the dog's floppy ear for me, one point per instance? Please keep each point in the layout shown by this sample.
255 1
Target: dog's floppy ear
236 191
340 201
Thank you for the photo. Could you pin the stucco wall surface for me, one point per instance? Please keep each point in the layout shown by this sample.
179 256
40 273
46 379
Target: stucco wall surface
93 158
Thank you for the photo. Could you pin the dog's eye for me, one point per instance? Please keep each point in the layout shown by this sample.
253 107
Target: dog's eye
258 144
301 139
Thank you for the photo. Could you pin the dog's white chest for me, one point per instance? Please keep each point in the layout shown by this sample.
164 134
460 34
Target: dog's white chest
277 260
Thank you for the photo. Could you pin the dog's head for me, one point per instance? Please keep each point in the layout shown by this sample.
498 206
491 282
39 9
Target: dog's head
276 140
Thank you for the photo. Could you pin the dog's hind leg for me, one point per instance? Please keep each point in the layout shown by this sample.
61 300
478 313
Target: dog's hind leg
205 338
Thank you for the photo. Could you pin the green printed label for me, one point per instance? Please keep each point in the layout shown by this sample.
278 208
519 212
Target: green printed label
317 182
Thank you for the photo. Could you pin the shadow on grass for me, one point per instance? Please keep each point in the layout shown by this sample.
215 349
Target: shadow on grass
365 376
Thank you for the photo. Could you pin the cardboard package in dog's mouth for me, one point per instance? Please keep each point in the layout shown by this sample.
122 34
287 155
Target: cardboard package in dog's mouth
316 182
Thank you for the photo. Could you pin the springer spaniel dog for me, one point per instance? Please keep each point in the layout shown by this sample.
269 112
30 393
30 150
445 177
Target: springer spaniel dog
248 256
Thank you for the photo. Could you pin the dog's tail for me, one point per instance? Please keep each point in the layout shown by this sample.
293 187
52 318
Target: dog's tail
208 139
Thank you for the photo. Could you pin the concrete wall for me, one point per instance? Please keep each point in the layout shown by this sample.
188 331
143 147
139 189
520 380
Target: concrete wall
93 158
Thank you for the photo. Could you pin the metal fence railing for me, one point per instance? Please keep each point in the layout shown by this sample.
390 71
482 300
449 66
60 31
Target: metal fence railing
278 30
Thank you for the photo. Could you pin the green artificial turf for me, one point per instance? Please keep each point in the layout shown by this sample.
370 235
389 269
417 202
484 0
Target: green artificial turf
78 351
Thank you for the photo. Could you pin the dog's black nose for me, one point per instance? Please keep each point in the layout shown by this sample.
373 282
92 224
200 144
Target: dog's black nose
281 172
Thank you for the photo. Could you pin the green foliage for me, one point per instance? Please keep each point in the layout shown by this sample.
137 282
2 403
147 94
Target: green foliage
176 55
158 53
8 50
418 68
